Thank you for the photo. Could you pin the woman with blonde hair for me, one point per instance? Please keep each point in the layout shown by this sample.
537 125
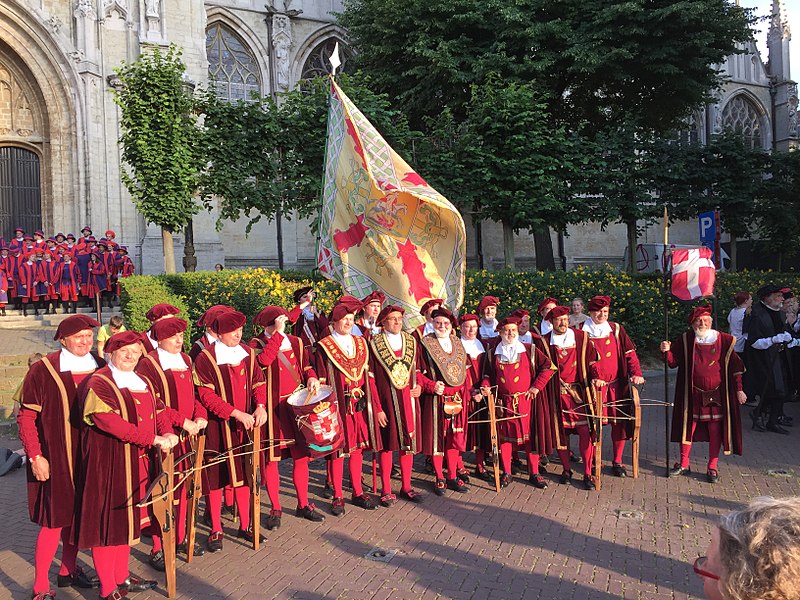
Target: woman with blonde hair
754 553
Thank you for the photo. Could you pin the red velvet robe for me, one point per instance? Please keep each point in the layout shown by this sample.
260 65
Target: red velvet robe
729 374
116 443
513 380
441 432
478 434
617 363
221 390
69 281
281 383
350 378
404 428
49 420
199 345
578 367
310 332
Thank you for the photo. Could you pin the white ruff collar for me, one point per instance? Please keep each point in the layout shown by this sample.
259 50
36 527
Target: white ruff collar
229 356
509 352
709 338
76 364
474 348
127 379
566 340
169 360
596 330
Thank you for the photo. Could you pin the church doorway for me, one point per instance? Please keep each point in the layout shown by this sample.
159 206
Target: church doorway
20 191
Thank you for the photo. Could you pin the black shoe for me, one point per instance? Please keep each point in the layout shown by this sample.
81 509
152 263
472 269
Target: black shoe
184 549
51 595
14 461
78 579
457 485
439 487
785 421
388 500
309 513
678 470
412 496
619 470
115 595
134 584
229 511
538 482
712 476
157 561
214 542
247 535
566 477
505 480
396 471
463 475
483 475
327 491
429 466
588 483
364 501
775 428
337 507
544 460
516 466
273 520
576 458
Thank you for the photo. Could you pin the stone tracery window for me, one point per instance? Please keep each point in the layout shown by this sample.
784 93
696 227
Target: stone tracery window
232 66
740 114
317 63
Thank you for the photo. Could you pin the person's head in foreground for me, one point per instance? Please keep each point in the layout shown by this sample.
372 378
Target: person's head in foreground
754 553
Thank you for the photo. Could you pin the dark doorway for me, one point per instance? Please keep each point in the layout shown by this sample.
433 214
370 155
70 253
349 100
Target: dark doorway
20 191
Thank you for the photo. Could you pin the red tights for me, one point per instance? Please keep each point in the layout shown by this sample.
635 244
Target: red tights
241 496
46 547
111 564
584 445
507 451
453 457
406 464
714 445
618 441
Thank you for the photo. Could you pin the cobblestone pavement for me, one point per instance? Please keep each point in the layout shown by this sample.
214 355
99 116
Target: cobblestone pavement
636 538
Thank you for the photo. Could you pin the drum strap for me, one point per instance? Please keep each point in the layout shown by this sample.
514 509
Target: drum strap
285 362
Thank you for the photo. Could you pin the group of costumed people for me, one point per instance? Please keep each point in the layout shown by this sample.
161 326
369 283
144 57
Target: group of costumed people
97 431
43 273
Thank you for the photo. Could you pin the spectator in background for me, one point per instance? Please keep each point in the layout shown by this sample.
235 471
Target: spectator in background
218 267
743 302
576 318
116 324
754 554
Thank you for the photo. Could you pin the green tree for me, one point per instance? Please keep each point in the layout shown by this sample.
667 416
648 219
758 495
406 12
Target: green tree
778 211
160 142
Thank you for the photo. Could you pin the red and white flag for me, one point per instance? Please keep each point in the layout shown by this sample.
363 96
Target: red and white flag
693 273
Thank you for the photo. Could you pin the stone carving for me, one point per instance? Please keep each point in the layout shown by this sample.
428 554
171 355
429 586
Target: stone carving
282 42
16 109
120 6
85 9
152 15
85 33
153 9
55 23
792 108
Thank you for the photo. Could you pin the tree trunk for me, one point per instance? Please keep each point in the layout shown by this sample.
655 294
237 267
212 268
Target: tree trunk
734 265
632 240
169 251
508 245
543 243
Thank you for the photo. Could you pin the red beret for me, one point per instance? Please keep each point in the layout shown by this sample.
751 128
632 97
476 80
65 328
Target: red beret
599 302
510 320
110 233
443 312
376 296
207 317
268 314
340 311
74 324
558 311
353 303
228 321
468 317
386 311
545 302
521 313
699 311
741 297
161 310
488 301
166 328
430 303
122 339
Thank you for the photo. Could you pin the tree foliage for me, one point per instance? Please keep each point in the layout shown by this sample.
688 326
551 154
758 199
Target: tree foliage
159 138
778 212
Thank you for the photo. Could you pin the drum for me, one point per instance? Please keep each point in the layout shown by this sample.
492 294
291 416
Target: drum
319 428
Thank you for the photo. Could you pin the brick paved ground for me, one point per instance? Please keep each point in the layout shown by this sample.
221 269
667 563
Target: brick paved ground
562 543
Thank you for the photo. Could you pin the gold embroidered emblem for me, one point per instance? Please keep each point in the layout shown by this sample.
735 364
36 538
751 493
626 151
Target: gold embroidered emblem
398 368
452 366
608 354
241 372
351 366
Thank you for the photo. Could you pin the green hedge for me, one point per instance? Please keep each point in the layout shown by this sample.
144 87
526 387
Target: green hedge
637 300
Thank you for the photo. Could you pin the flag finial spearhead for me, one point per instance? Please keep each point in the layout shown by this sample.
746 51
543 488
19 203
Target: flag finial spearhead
335 60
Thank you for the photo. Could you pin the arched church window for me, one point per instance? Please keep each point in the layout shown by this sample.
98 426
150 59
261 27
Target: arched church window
318 64
232 67
741 115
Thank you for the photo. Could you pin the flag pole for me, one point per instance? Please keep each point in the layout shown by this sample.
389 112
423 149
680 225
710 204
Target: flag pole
667 266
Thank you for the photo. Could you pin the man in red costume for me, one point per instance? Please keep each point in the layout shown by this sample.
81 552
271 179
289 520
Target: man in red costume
366 324
520 373
69 282
169 370
123 423
158 312
707 392
619 367
487 309
426 310
343 360
478 434
50 438
230 385
570 393
209 338
286 367
310 325
393 362
445 400
544 308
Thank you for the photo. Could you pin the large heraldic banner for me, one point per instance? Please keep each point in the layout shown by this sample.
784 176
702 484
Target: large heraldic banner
381 225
